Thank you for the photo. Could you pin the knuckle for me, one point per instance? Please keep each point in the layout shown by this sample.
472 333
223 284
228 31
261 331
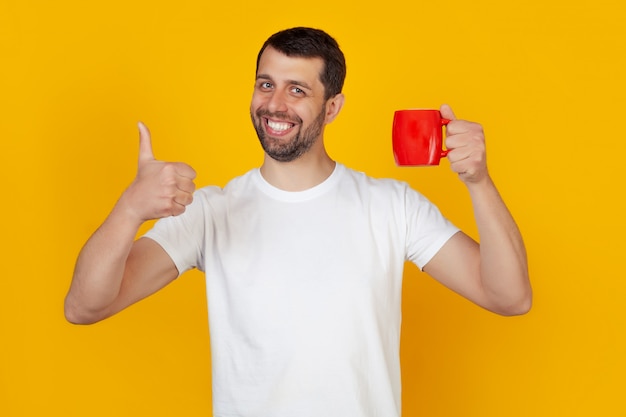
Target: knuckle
168 169
178 210
184 199
169 204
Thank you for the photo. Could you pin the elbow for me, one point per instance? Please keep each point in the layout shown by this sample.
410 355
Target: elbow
77 315
517 310
74 317
520 307
77 319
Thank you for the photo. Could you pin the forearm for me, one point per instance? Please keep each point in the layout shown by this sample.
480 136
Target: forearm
100 266
503 261
113 270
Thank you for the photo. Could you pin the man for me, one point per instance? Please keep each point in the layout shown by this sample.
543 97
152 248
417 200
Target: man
303 257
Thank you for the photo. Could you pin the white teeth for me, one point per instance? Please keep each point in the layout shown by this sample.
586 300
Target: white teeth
279 127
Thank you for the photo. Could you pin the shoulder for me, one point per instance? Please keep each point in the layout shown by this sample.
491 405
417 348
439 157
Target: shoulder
376 186
237 185
384 192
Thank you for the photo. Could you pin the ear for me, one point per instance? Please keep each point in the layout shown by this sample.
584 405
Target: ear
333 106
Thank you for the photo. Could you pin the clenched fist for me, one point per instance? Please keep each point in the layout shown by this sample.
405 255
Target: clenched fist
161 188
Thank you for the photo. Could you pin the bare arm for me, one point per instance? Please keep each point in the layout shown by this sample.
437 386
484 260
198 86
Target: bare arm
493 274
113 270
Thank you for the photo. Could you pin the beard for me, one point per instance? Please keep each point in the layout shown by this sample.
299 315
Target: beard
287 151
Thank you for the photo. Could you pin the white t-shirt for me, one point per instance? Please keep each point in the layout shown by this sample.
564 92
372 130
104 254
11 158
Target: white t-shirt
304 290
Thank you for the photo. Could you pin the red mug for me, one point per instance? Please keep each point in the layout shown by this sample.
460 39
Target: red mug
418 137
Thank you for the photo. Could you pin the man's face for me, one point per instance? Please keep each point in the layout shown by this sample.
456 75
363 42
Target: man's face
288 106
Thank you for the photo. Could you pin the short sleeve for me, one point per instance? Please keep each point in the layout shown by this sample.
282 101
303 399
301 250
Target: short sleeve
183 236
427 229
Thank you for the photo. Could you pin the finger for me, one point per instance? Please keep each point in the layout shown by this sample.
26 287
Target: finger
185 170
464 127
466 159
175 209
145 144
446 112
186 185
459 154
183 198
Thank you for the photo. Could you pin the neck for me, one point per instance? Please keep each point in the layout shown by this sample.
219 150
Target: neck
299 175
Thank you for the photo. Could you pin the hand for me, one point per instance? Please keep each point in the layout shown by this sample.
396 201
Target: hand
466 143
160 189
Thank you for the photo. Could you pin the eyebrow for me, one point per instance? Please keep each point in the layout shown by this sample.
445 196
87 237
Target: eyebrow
291 82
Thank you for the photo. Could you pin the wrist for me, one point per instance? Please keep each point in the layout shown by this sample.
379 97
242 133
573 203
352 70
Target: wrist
481 187
127 211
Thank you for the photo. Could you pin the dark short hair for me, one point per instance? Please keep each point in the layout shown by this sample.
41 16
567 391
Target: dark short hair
312 43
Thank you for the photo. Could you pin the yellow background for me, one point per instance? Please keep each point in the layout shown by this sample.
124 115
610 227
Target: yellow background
546 79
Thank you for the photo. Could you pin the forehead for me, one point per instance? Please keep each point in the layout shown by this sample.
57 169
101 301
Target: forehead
280 67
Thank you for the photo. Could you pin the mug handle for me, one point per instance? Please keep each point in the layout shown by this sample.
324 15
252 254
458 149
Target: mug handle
444 122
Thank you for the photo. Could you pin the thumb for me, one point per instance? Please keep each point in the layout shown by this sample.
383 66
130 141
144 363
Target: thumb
145 144
446 112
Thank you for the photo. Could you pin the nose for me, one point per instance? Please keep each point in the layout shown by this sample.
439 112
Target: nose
277 102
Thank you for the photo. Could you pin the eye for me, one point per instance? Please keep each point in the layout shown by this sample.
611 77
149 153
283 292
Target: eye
265 85
297 90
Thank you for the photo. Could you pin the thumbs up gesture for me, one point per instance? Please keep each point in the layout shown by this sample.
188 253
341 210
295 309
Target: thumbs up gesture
160 188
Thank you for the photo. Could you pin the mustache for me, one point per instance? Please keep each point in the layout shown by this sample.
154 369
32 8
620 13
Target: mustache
281 115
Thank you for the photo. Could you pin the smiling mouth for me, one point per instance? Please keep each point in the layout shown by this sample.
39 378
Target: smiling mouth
278 127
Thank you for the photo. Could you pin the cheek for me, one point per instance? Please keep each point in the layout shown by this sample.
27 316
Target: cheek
309 113
256 101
